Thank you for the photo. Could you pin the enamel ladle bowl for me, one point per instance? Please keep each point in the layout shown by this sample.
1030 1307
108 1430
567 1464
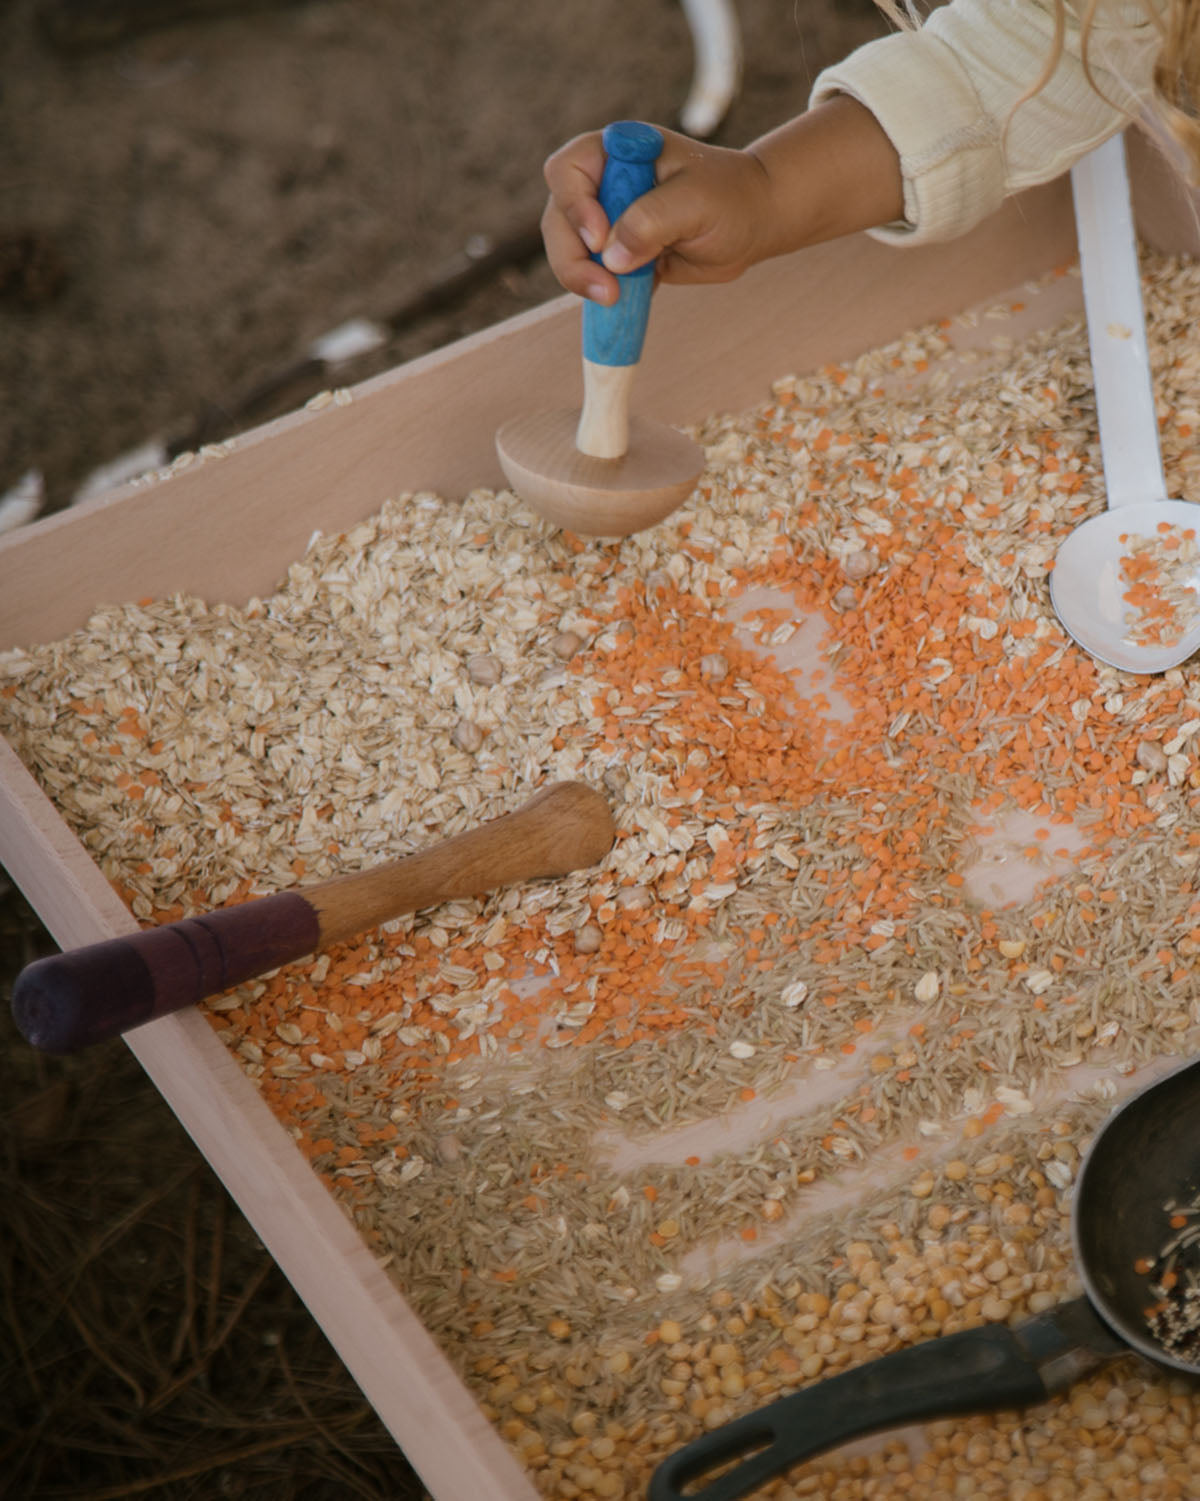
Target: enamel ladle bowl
1091 577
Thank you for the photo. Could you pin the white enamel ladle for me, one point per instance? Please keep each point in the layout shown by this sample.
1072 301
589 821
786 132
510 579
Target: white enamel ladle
1086 585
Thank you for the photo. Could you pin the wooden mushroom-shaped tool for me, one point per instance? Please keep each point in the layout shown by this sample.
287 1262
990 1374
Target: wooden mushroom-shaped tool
601 472
67 1001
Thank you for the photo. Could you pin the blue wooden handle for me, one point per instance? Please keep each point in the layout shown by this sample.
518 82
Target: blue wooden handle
614 335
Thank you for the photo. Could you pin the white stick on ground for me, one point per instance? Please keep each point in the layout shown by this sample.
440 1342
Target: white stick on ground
718 67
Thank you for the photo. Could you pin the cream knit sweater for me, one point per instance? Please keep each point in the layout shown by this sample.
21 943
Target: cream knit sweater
947 96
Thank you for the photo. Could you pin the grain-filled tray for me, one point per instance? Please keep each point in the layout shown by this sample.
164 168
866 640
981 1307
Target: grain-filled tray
901 901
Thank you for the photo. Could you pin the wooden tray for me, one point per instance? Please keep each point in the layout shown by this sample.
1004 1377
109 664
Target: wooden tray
228 529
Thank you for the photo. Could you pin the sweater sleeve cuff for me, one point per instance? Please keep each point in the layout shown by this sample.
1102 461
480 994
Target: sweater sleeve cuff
951 158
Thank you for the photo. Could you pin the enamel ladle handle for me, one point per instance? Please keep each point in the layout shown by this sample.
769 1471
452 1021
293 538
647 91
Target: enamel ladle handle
1112 295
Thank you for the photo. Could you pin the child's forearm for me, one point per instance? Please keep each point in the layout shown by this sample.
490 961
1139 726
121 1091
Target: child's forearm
832 171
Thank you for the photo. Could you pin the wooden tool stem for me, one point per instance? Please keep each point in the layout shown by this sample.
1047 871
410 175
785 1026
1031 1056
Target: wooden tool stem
613 335
70 1000
604 421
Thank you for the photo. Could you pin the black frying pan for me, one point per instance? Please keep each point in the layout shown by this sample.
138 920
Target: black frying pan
1147 1152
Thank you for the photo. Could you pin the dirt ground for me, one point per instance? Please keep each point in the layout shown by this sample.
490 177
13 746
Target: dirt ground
191 193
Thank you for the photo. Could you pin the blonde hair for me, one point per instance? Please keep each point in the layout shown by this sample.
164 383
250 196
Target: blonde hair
1176 76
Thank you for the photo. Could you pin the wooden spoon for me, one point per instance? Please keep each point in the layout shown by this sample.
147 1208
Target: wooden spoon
600 472
67 1001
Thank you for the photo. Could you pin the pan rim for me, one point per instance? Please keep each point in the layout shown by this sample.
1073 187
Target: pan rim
1142 1344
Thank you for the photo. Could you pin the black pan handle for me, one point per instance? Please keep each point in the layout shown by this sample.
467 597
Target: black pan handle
988 1369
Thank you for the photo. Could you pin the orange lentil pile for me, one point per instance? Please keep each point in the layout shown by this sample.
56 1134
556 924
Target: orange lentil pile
509 1096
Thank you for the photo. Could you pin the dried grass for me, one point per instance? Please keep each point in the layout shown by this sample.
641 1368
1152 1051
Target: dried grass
148 1344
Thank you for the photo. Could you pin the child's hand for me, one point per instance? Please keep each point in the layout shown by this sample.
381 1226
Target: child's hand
716 212
704 222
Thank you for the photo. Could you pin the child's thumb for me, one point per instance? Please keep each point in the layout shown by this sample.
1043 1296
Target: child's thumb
637 238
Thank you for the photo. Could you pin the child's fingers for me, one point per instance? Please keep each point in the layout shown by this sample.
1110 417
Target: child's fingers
677 216
698 223
574 224
570 261
573 176
651 223
638 236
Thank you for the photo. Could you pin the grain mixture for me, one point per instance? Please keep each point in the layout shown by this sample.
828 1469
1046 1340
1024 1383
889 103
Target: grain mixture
802 1073
1160 571
1174 1317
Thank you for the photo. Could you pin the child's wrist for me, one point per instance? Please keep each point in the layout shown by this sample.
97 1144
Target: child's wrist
831 171
767 205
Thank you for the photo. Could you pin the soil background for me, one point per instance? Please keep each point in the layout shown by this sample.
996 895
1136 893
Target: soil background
191 193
